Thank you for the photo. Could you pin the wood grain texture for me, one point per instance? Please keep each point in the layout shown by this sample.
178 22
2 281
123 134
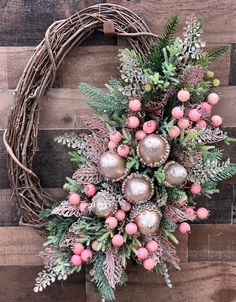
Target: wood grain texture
212 243
62 108
81 63
219 16
17 283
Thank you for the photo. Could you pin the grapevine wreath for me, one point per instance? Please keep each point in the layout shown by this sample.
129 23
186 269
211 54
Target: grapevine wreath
150 150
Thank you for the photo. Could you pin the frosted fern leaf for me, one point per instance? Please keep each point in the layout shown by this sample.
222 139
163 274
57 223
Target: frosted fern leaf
112 268
65 209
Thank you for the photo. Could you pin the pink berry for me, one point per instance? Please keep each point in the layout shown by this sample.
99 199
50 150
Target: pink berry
123 150
142 253
83 206
194 115
135 105
206 107
183 95
126 206
117 240
183 123
152 246
189 213
95 246
184 228
78 248
90 190
131 228
133 122
149 264
201 124
74 199
213 98
174 131
202 213
216 121
120 215
111 222
139 135
149 126
86 255
115 136
177 113
195 189
112 145
76 260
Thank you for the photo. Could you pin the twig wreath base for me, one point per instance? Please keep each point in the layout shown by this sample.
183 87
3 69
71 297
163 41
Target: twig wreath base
21 134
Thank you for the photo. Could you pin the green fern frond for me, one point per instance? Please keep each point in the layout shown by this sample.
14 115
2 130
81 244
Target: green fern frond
227 172
216 52
100 279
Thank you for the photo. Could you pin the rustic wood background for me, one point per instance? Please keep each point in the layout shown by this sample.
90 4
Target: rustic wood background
209 255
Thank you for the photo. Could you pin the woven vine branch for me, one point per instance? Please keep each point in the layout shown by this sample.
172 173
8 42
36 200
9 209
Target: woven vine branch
20 137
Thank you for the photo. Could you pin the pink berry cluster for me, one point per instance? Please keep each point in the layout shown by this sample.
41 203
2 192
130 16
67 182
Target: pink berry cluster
146 254
81 254
195 117
75 199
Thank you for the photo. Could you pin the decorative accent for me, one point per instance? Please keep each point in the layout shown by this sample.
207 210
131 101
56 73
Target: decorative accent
103 204
138 188
175 174
147 217
153 150
112 166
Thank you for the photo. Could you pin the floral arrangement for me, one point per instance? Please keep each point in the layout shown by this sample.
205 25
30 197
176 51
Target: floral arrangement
149 153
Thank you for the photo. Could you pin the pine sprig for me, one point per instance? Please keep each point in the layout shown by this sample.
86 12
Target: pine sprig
216 52
100 279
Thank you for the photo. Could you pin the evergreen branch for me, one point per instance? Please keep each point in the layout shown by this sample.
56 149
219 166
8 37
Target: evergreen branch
216 52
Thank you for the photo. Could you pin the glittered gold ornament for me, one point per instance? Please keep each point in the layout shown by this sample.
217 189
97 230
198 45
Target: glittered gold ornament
112 166
138 188
103 204
153 150
175 174
147 217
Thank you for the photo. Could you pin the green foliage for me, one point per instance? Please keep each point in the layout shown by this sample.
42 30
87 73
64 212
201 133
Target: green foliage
77 158
105 102
175 194
159 175
209 188
72 186
133 160
100 280
56 229
206 59
156 57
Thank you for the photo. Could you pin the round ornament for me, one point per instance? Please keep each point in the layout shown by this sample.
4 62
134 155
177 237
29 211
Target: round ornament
175 174
112 166
147 217
138 188
103 204
153 150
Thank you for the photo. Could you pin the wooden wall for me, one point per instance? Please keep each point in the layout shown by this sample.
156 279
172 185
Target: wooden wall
208 256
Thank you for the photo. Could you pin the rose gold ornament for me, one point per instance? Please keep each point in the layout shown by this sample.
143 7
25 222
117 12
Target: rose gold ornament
153 150
137 188
103 204
112 166
175 174
147 217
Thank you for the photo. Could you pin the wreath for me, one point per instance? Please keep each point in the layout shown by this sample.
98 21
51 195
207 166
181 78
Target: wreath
149 153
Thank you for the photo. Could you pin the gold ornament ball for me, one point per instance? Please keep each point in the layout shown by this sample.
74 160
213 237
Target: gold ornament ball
153 150
112 166
138 188
175 174
148 222
104 204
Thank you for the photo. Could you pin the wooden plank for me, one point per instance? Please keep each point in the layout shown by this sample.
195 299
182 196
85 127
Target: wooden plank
219 22
212 243
199 281
81 64
17 285
20 246
62 108
10 214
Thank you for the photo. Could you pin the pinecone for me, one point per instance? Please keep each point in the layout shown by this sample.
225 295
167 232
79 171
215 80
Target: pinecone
187 157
